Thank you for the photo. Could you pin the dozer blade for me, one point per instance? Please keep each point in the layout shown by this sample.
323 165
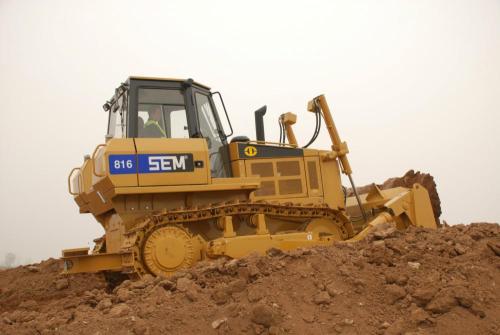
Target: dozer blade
402 206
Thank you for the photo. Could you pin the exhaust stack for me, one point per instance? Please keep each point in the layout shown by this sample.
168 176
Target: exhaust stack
259 123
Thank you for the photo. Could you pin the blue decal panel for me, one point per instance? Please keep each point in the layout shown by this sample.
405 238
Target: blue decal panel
122 164
165 163
150 163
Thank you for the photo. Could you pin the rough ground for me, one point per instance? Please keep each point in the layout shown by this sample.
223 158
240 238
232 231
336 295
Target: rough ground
419 282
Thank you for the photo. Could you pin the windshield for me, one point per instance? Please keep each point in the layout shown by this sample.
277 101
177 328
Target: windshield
162 114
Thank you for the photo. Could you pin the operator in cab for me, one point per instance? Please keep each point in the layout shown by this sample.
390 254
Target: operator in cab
153 128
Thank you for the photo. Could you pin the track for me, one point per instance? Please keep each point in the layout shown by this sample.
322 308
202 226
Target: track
174 226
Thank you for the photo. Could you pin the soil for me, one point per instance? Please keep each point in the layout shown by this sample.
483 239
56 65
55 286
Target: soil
442 281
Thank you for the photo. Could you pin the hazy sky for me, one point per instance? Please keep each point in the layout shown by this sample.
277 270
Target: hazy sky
412 84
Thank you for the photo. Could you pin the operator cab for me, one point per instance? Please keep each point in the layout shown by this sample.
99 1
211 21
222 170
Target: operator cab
169 108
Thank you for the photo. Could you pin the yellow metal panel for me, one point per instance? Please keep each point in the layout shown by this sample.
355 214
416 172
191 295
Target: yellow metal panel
233 151
238 168
195 146
313 152
86 175
332 187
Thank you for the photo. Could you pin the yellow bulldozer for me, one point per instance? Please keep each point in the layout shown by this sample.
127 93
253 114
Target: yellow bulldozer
169 189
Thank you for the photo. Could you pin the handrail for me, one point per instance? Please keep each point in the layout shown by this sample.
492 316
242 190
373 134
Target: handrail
93 161
291 145
69 181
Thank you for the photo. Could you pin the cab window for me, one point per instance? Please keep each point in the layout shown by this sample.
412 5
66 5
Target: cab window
117 122
162 114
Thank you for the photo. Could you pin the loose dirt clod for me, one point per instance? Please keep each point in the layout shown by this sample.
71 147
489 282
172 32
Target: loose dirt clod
361 288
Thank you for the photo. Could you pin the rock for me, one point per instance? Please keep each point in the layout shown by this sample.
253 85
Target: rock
263 315
332 290
29 304
137 285
192 294
424 294
220 296
253 271
6 320
15 315
258 329
167 284
255 294
62 284
123 294
32 268
443 302
183 284
237 286
158 295
384 230
72 303
495 247
396 278
27 316
414 265
148 279
419 316
395 292
463 296
308 317
348 322
273 330
228 266
478 312
120 310
460 249
321 298
380 255
217 323
141 328
397 328
385 325
274 252
104 304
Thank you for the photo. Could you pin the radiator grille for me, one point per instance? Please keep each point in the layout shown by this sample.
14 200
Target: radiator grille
279 177
262 169
290 186
291 168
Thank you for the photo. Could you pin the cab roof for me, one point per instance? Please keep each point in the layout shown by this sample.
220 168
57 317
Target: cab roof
167 79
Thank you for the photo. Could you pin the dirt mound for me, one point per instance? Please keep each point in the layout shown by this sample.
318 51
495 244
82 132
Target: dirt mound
411 177
416 282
